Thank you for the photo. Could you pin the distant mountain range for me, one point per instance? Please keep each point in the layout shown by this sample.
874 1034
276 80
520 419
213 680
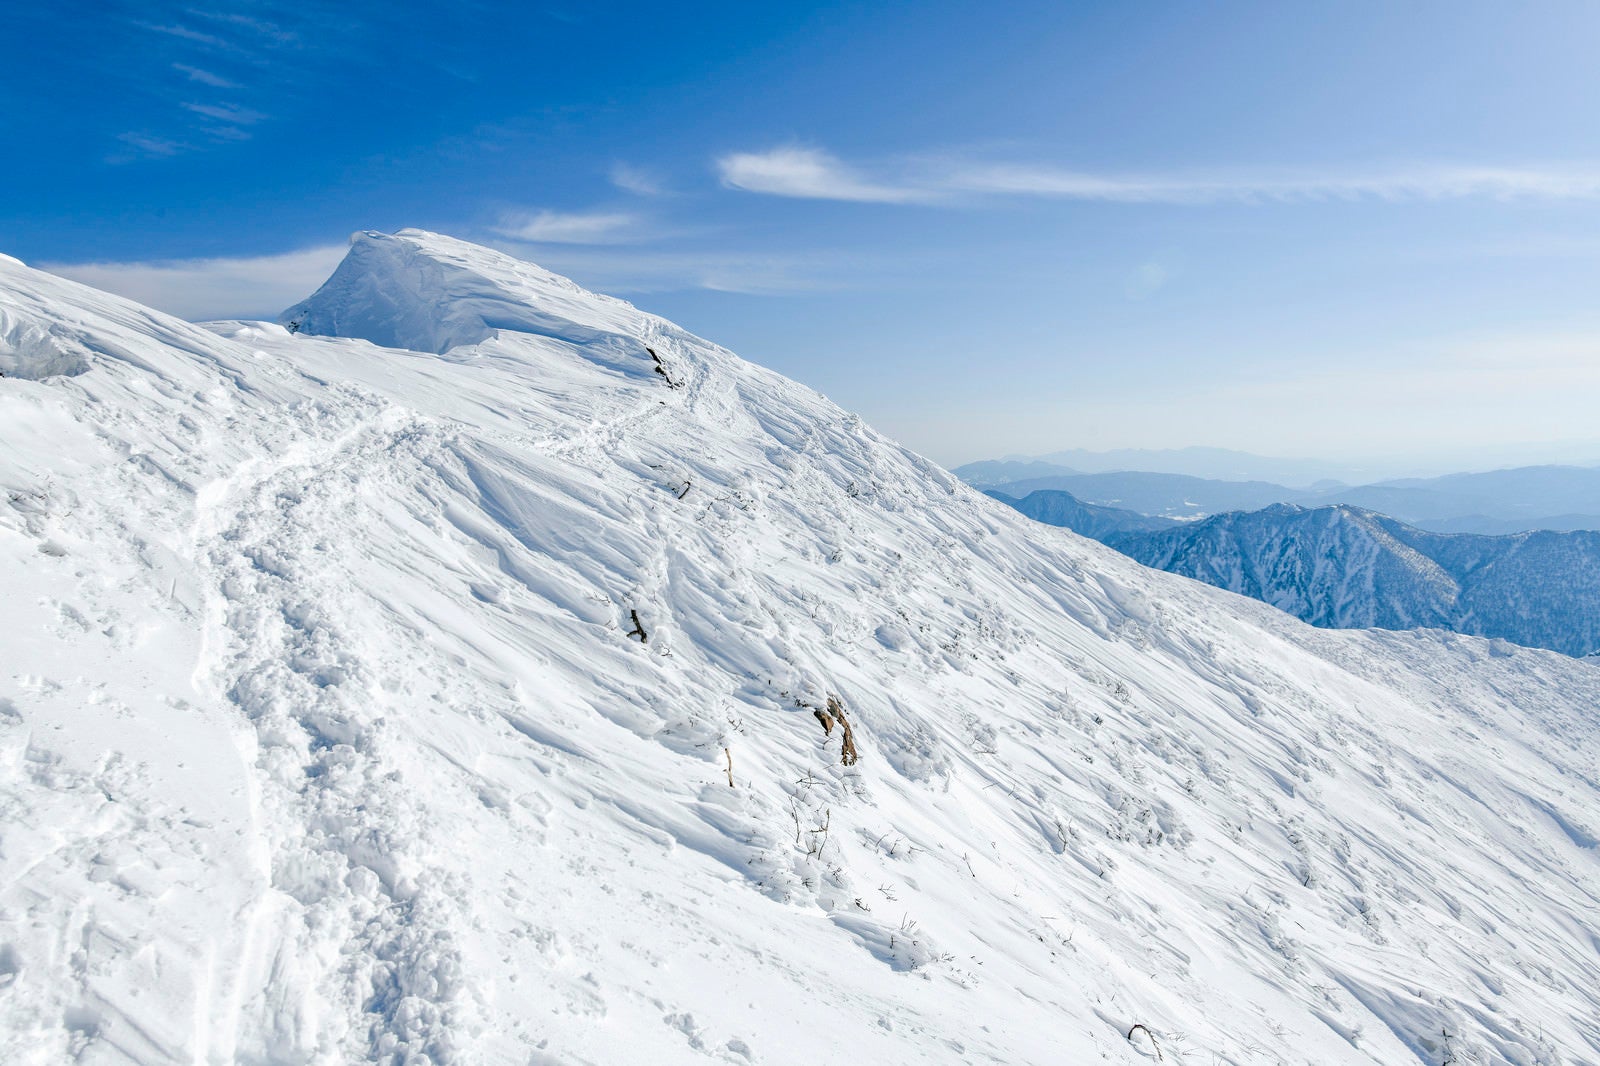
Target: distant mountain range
1220 464
1226 464
1495 502
1341 566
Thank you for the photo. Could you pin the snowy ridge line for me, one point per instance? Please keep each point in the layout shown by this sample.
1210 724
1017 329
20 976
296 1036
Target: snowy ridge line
333 743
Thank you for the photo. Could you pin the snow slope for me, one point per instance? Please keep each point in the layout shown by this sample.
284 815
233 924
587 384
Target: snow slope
323 736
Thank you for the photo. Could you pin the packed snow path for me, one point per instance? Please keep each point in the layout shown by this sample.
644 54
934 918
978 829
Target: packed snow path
327 735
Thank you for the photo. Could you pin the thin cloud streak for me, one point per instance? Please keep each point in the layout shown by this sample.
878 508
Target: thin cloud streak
1436 183
205 77
812 174
148 145
239 116
633 179
557 227
808 173
184 33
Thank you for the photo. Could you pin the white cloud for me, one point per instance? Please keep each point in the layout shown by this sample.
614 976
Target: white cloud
557 227
814 174
201 289
811 174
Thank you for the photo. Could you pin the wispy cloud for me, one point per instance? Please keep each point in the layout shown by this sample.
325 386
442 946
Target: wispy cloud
237 116
635 180
207 67
146 145
579 227
1412 183
811 173
185 33
200 289
226 124
265 29
205 77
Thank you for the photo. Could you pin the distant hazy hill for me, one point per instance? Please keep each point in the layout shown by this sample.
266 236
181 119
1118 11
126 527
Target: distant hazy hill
1104 524
1345 567
1495 502
1164 495
998 473
1529 494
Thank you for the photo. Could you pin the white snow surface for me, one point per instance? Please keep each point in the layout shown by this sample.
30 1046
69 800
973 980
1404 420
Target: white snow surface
323 738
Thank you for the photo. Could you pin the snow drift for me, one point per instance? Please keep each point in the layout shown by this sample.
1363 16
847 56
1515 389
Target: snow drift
433 684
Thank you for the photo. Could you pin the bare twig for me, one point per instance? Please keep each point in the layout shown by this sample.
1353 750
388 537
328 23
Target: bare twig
827 821
729 753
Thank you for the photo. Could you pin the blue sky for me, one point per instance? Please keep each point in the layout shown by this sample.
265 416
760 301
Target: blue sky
1345 229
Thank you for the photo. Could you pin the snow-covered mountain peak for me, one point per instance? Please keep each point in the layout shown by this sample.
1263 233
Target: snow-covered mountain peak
428 292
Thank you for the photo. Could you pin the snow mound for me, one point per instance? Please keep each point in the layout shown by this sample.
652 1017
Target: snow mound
454 703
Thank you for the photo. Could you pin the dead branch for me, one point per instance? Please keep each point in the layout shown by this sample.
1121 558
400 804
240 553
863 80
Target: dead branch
638 628
1140 1025
835 714
729 753
847 744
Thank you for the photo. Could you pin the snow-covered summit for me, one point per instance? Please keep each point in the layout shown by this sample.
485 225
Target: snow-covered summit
431 293
362 704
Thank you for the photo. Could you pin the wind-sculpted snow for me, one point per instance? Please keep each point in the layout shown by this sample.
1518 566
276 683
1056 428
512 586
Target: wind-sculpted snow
368 704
